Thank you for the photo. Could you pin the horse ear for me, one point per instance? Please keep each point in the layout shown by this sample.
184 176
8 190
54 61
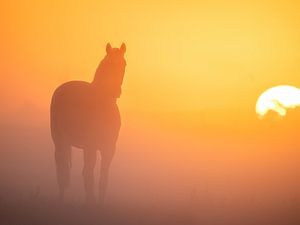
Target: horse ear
108 48
123 48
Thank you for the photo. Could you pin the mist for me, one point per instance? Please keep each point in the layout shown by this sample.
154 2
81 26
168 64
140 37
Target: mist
202 170
191 148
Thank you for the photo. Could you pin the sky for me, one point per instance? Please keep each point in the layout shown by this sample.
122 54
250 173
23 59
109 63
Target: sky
177 52
194 72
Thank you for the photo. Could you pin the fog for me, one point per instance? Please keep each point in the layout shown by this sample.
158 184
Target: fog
213 171
191 149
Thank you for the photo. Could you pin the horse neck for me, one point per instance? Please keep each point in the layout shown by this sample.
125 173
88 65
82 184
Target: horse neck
103 86
102 93
99 74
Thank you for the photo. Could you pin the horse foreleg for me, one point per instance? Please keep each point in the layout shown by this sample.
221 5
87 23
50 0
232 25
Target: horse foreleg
106 158
90 157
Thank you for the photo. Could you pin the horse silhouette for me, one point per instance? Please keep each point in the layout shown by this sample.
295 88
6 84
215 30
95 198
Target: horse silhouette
85 115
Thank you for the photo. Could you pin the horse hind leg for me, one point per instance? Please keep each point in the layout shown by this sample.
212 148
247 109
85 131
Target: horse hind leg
90 158
63 167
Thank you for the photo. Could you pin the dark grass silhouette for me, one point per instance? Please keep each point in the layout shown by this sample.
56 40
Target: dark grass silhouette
85 115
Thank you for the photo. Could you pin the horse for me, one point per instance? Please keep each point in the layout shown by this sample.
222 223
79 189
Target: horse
85 115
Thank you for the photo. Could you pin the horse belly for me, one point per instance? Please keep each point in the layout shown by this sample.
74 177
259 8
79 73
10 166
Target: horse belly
77 120
93 131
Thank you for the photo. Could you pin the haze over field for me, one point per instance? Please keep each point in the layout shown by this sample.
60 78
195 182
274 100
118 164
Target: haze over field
189 128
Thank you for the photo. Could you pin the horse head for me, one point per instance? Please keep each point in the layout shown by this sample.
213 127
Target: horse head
111 70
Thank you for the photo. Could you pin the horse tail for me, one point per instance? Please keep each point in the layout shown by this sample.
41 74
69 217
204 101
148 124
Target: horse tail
62 155
62 150
63 165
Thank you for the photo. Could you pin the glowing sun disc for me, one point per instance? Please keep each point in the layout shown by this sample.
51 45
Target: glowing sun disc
278 99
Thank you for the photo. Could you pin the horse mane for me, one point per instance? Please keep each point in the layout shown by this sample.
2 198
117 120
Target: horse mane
100 71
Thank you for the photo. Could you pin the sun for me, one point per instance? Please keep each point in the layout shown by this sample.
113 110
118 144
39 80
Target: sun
278 99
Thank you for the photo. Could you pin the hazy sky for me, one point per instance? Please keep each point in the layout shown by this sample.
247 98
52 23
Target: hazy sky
180 55
191 66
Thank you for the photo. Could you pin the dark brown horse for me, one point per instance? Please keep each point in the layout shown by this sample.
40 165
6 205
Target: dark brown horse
85 115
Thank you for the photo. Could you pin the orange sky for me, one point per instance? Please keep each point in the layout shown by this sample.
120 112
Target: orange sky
194 72
215 57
